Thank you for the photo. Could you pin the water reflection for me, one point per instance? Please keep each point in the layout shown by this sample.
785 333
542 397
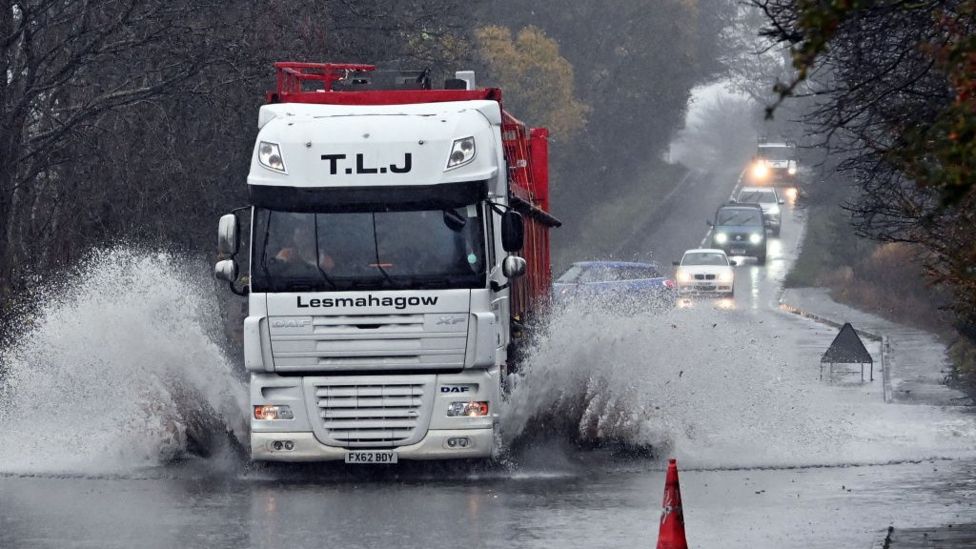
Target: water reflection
723 303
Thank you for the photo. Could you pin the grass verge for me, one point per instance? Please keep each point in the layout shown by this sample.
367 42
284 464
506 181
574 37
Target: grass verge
598 234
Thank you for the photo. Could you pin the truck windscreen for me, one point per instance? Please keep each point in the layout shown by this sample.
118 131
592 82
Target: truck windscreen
777 153
377 250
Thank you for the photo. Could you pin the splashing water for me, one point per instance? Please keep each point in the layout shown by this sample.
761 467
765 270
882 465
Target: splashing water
118 371
716 388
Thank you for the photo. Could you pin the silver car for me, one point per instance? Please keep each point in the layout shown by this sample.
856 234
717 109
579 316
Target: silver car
770 202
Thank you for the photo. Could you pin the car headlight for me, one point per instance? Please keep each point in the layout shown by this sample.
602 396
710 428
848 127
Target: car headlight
269 156
721 238
760 170
755 238
774 210
726 276
462 152
683 276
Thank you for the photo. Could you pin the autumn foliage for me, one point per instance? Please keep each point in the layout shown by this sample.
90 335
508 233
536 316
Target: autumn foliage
537 80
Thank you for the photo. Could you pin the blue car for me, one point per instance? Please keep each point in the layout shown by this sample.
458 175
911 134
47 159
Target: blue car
616 283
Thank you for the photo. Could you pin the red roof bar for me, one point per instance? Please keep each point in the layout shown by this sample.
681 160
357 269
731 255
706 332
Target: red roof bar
290 75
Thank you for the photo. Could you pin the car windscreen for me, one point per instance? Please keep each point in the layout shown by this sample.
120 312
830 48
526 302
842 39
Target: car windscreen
705 258
738 216
370 250
761 197
570 276
777 153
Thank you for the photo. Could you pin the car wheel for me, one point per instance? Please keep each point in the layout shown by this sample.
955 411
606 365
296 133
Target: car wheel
761 259
776 231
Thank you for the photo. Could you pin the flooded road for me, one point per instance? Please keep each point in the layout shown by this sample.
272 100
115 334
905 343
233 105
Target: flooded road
769 456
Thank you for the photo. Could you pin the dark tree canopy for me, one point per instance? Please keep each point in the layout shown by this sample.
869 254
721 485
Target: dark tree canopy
896 84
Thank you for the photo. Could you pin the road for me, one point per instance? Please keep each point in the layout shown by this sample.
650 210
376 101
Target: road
769 456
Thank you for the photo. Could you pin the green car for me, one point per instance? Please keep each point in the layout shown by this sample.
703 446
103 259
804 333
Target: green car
740 230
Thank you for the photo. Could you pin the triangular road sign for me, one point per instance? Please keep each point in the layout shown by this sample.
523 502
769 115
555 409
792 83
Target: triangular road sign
847 348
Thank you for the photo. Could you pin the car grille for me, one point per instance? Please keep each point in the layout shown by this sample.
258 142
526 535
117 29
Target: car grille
370 413
704 277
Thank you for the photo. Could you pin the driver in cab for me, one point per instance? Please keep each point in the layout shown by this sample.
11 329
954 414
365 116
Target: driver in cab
301 250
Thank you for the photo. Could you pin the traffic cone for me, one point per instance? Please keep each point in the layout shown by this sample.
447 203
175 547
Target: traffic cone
672 532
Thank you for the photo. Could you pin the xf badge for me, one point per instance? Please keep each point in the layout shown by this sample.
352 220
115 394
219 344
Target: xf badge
449 320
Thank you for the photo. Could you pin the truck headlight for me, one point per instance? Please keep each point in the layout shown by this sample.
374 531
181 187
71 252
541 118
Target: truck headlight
269 156
755 238
760 170
470 409
721 238
272 411
462 152
792 169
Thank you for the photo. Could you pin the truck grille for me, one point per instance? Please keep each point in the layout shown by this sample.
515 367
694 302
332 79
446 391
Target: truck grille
360 412
369 342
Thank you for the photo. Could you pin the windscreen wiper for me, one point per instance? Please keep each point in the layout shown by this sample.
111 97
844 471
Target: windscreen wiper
298 287
441 281
318 260
376 248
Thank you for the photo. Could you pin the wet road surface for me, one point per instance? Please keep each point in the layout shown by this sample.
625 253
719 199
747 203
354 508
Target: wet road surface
769 456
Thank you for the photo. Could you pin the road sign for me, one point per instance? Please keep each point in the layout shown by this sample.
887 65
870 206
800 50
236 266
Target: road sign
847 348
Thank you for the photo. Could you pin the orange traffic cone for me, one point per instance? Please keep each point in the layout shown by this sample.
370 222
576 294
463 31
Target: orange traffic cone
672 532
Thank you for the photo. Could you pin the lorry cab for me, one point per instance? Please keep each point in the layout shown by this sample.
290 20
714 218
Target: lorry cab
775 163
385 240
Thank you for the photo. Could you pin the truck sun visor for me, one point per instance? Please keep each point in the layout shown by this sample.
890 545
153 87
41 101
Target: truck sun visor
352 199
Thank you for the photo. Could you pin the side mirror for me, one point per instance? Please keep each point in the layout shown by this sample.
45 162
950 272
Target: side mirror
676 263
226 270
513 266
733 262
227 235
781 201
709 223
513 231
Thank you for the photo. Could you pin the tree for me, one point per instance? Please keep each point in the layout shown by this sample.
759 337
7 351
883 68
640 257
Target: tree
754 61
634 63
134 119
897 83
67 66
538 82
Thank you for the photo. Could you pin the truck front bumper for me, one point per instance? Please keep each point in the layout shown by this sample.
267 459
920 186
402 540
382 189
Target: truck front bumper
432 446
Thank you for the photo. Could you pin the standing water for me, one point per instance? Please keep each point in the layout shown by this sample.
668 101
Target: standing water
120 370
716 388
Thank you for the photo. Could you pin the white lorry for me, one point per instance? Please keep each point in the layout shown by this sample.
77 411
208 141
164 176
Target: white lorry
381 274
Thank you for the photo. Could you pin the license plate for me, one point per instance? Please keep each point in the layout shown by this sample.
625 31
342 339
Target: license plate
707 288
738 251
371 456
